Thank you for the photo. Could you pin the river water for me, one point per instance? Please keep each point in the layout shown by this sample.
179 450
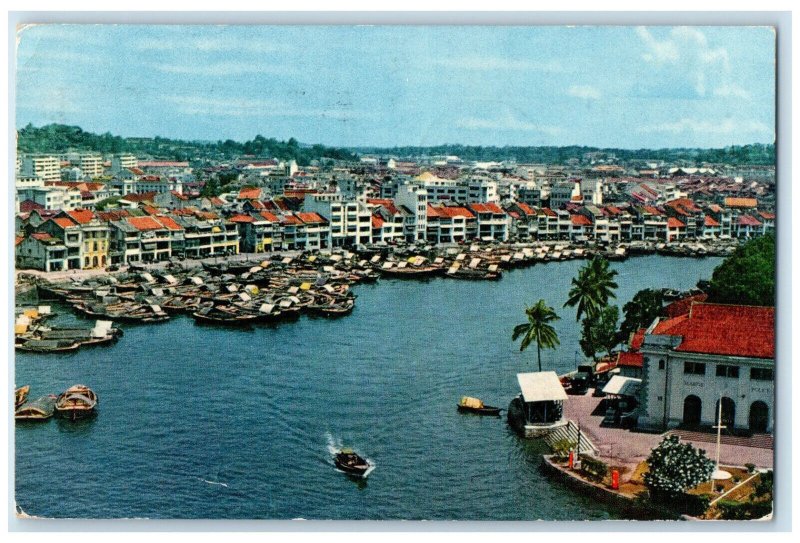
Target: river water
199 422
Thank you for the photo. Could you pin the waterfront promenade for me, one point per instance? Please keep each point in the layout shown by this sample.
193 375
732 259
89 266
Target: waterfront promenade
628 448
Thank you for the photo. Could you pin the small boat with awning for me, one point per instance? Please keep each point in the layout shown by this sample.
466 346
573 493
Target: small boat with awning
477 407
38 409
78 401
21 394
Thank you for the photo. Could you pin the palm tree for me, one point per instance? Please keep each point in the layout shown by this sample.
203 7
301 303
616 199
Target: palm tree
592 288
538 329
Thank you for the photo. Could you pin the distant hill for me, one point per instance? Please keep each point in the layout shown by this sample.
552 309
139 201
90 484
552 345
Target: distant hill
59 138
754 154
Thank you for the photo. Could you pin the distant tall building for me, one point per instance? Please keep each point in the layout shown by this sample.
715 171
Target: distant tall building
122 162
46 167
91 165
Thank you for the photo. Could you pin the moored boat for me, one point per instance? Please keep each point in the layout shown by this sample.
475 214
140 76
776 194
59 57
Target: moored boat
476 406
21 394
38 409
78 401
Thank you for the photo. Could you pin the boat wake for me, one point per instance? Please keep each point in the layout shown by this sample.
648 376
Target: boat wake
212 482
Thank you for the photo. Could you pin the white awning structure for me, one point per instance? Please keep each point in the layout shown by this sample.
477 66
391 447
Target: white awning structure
622 386
541 386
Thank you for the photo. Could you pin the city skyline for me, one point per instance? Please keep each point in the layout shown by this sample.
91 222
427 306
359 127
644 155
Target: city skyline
379 86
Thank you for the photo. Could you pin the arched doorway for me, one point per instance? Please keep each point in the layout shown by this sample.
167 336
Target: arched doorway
103 260
759 417
94 261
728 412
692 407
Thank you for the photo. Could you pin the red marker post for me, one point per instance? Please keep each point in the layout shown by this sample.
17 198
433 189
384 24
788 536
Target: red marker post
615 479
571 459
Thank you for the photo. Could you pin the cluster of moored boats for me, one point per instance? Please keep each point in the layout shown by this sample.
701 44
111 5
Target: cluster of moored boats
77 402
281 288
32 333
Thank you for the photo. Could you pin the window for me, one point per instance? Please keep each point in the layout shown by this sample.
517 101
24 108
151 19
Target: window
761 374
662 364
694 368
724 370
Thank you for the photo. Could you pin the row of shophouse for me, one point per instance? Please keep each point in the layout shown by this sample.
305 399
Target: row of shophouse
147 231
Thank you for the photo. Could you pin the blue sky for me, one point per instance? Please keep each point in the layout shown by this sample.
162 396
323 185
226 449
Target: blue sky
625 87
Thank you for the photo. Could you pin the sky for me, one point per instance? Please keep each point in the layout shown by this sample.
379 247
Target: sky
628 87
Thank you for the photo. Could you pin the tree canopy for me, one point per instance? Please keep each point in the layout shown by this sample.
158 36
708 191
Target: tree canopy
747 276
675 467
643 308
58 138
599 333
538 329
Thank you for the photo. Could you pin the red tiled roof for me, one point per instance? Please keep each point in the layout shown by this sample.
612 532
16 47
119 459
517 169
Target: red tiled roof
386 203
549 212
28 206
682 306
651 210
144 223
487 208
42 236
747 220
18 240
709 221
672 222
150 210
271 217
767 216
310 217
637 339
740 202
114 215
178 195
377 222
449 212
715 208
734 330
64 222
580 220
168 222
140 197
514 214
291 219
81 216
250 193
242 218
528 210
631 360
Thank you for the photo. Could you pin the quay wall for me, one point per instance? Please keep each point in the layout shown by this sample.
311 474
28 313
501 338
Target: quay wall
635 508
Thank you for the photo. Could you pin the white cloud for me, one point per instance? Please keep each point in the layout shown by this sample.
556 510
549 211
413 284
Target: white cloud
182 42
219 69
507 122
584 92
724 127
238 107
731 90
689 55
497 63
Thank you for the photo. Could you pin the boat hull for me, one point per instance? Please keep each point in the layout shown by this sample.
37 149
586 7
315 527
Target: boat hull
487 410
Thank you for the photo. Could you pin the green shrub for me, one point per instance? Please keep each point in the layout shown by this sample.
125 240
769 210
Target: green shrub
732 510
751 468
596 470
765 483
562 447
675 467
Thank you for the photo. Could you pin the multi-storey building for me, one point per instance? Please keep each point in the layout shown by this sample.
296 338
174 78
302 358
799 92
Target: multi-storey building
716 354
45 167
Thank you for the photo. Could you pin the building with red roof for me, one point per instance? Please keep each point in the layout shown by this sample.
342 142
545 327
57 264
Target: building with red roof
711 353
